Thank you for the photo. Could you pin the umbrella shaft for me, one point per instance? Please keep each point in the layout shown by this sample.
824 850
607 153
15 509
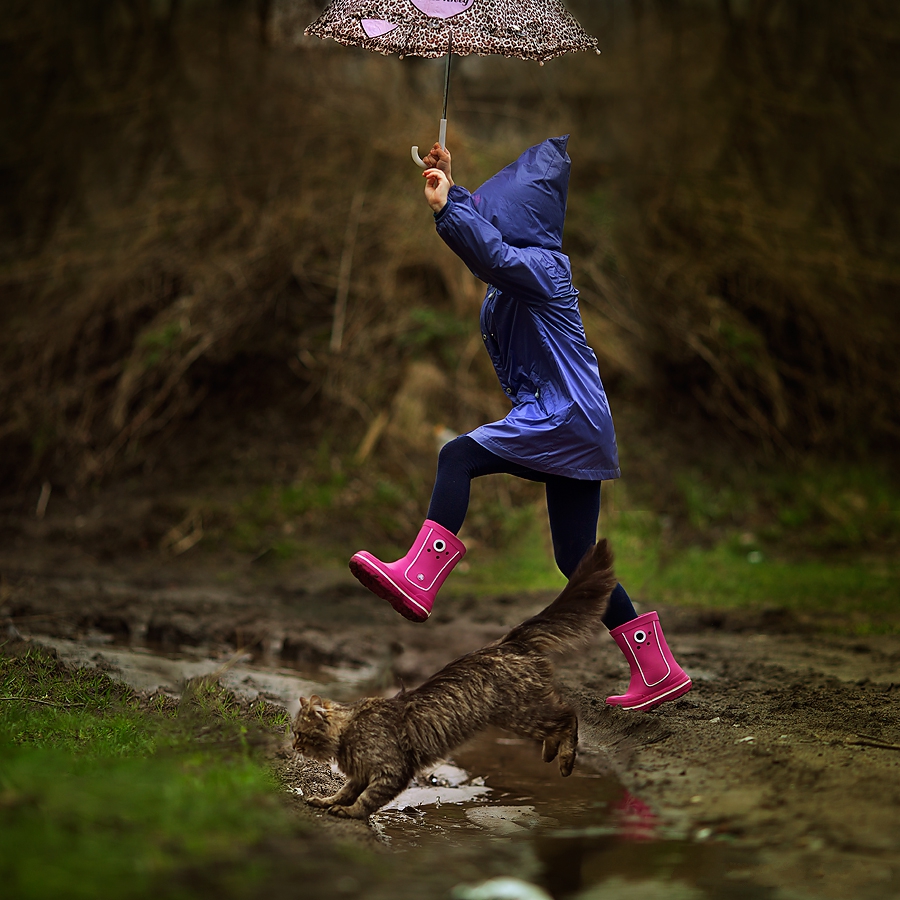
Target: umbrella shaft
447 83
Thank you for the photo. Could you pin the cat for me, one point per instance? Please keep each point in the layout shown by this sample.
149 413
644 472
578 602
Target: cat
380 744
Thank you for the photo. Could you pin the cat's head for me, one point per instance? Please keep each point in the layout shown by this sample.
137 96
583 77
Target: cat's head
317 728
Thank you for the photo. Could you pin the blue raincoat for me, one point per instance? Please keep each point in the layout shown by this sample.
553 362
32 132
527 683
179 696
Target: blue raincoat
509 234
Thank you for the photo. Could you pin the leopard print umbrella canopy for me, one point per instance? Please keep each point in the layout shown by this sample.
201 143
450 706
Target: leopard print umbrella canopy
528 29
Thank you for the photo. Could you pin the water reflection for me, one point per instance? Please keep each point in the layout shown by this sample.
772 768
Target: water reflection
583 837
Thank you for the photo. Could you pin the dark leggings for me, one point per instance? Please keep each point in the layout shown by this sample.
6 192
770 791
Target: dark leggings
573 507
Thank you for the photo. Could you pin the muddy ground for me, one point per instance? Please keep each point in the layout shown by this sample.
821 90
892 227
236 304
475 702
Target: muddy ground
787 751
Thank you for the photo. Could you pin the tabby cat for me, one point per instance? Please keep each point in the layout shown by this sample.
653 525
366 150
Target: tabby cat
379 744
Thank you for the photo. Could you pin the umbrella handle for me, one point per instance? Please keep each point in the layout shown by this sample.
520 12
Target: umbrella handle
414 151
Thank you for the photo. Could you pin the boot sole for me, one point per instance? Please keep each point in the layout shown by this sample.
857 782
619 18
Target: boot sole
671 694
382 586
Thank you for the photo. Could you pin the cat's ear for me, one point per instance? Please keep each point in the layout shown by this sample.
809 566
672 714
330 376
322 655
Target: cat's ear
314 705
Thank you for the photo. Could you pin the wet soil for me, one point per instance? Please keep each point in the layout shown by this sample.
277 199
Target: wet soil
777 776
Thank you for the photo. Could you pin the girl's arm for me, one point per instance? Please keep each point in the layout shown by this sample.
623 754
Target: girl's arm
531 273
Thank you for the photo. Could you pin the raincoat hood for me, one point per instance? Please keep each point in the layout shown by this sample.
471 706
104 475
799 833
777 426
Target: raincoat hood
526 201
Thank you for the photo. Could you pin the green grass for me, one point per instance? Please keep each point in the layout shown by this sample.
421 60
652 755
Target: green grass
819 540
104 796
739 572
818 508
852 597
117 827
270 509
525 563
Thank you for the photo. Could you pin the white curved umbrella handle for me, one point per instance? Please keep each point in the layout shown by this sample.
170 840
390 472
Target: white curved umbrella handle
442 139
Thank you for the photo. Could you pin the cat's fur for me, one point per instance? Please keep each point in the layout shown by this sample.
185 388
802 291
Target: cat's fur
379 744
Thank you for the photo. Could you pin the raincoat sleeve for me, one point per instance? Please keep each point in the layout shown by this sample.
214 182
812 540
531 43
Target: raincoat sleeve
530 273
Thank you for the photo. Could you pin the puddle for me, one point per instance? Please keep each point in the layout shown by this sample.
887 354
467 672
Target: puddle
584 836
445 784
496 786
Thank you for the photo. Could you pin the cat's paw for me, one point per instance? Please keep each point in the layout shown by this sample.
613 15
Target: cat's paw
550 749
348 812
566 764
320 802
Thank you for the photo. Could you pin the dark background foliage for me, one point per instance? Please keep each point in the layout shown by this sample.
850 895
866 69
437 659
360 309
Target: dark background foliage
211 236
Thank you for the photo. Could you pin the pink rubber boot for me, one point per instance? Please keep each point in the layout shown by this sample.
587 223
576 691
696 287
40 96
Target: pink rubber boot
655 676
411 584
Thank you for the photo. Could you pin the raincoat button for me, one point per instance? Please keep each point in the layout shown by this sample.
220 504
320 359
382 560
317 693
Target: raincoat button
484 336
509 390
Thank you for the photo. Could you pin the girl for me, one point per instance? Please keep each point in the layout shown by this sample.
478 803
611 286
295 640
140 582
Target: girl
559 431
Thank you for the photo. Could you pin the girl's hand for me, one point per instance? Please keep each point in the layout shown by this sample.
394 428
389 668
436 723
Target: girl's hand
437 186
439 158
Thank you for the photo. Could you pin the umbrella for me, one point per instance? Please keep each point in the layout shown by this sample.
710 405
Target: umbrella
527 29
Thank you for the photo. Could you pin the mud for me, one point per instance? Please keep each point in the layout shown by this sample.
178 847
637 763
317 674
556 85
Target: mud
777 776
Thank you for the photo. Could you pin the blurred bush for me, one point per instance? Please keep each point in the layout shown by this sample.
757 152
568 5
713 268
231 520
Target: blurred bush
209 236
182 205
761 172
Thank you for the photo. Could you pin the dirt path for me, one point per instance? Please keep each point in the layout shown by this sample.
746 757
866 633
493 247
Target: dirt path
787 744
787 748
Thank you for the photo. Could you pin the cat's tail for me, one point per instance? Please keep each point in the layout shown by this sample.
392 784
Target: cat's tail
573 618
